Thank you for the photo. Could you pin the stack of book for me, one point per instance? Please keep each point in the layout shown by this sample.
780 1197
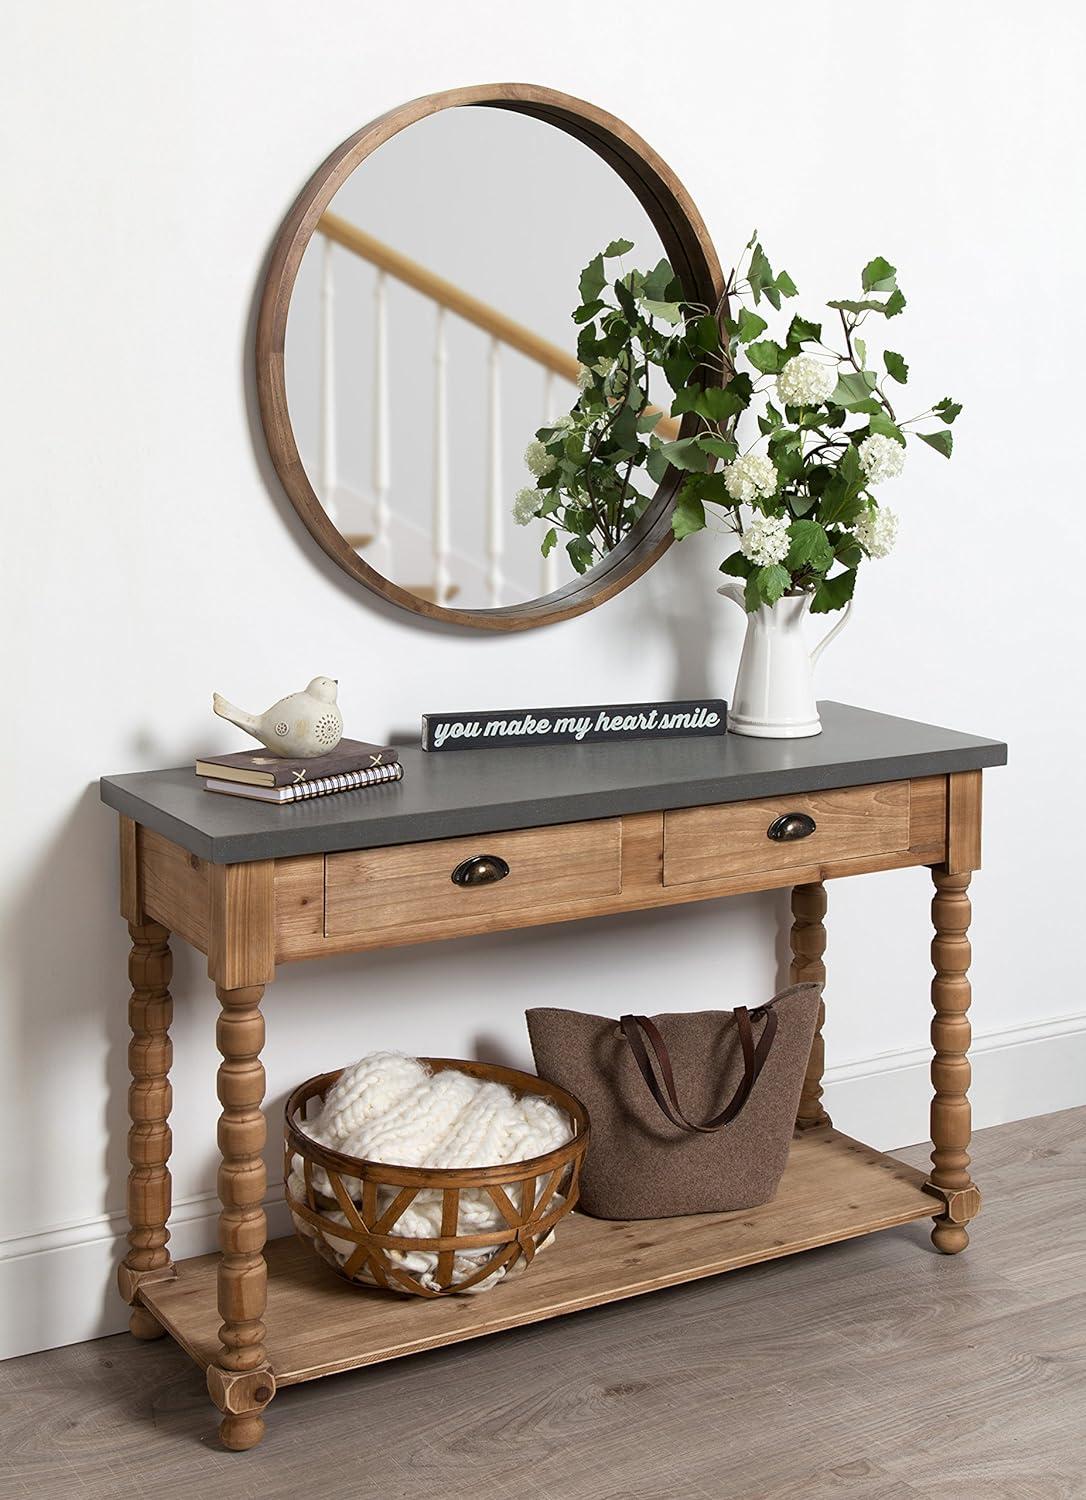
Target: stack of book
272 778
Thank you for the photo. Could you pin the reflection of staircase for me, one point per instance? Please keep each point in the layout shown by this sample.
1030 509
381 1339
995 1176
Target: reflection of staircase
360 540
410 544
379 537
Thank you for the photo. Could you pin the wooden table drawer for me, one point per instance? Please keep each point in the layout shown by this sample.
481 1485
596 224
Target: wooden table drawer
411 885
732 840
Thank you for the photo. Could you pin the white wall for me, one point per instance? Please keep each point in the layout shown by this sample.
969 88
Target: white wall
150 153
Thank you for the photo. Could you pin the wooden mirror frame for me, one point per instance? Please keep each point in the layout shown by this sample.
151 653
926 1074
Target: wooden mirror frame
686 244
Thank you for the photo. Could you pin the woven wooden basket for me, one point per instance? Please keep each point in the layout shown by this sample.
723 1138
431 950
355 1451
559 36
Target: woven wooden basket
531 1196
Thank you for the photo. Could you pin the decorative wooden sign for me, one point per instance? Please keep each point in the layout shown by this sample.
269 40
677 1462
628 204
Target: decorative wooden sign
580 725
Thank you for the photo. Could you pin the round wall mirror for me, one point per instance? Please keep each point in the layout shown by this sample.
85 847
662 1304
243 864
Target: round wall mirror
417 332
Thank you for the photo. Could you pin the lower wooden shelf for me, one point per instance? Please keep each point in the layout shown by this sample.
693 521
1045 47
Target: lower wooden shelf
833 1189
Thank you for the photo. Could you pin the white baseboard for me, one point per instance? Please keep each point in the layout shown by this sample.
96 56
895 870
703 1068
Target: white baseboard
57 1285
1018 1072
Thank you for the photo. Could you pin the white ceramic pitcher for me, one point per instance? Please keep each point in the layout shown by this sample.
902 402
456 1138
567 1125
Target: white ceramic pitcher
774 689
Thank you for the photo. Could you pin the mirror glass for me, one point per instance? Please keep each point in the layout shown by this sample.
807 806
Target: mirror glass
430 335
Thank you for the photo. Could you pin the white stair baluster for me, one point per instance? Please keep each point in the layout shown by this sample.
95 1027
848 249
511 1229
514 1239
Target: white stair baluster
495 498
326 474
381 469
550 562
440 526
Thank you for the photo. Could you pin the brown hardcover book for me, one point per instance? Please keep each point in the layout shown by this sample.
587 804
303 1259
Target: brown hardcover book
261 768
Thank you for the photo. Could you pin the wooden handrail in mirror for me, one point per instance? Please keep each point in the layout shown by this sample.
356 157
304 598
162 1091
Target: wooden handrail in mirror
685 242
444 293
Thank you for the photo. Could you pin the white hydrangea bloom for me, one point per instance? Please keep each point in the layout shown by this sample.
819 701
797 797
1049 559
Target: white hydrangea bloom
537 459
876 530
751 477
563 423
805 381
526 506
587 372
766 540
881 457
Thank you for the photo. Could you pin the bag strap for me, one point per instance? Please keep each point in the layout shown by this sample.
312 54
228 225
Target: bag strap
754 1060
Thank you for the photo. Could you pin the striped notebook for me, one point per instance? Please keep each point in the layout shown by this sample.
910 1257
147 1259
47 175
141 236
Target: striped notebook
299 791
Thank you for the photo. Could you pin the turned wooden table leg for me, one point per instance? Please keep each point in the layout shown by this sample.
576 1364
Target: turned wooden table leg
241 1382
241 960
808 945
150 1010
950 1071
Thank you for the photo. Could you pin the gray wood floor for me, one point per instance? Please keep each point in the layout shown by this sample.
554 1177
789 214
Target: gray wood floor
872 1369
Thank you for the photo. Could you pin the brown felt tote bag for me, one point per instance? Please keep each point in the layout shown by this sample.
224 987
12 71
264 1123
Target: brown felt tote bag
689 1113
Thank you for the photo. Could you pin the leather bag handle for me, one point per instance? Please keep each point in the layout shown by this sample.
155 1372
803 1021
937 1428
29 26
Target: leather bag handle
754 1060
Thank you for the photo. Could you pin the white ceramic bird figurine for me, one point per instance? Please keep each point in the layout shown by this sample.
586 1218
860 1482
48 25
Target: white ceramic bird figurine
302 724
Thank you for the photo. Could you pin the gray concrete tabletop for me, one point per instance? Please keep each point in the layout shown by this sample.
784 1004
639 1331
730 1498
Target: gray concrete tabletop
449 793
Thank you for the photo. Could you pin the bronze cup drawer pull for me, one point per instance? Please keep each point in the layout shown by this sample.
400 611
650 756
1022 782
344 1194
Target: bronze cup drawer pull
788 827
480 869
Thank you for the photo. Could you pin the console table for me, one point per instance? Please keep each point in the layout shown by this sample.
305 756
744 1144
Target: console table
585 832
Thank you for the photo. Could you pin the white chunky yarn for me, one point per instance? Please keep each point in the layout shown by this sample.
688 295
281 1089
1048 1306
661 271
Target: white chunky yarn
391 1108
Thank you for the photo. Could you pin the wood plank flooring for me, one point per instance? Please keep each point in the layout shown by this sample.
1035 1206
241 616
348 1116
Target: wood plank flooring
873 1369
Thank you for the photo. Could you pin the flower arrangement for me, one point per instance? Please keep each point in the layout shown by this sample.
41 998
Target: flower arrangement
799 497
587 464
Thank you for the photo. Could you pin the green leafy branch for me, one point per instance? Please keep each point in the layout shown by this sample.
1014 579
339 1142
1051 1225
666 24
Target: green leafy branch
589 466
803 510
830 437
